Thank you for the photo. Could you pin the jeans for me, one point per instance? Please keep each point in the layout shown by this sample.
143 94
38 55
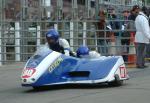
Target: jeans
102 47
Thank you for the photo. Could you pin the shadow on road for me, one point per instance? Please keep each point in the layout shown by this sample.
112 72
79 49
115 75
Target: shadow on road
69 86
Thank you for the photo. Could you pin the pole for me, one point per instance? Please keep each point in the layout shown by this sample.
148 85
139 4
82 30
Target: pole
48 8
59 9
17 41
88 7
0 47
97 8
56 26
74 9
48 4
38 36
71 35
84 33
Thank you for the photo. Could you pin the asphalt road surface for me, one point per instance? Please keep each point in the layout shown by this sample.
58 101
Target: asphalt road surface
135 90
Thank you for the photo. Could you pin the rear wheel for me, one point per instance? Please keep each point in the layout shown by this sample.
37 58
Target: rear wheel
116 82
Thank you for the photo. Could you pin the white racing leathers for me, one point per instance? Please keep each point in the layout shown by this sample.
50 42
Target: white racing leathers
92 55
62 42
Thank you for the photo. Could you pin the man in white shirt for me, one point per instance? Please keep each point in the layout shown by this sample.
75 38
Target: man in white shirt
142 37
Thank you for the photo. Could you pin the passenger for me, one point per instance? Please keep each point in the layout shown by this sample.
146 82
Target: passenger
55 43
84 52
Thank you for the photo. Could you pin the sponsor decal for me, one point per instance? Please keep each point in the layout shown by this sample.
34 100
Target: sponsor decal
55 64
28 72
123 72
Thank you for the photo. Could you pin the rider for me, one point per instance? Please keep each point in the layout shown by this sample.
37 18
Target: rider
56 43
84 52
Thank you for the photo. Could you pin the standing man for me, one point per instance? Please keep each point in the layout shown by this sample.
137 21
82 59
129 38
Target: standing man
142 37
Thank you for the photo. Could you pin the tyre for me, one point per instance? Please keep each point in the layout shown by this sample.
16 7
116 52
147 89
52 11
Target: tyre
116 82
37 87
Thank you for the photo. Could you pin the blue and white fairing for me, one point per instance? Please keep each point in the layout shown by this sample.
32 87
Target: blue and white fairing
48 67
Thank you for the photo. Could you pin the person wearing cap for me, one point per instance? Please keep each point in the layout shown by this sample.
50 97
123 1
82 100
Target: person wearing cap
142 37
55 43
132 15
136 9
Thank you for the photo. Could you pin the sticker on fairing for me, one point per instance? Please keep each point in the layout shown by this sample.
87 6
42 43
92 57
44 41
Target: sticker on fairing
28 72
55 64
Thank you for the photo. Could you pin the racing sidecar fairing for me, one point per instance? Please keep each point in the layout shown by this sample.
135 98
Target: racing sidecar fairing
48 67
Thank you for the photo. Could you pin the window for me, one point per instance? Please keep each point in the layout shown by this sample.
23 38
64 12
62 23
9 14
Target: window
82 2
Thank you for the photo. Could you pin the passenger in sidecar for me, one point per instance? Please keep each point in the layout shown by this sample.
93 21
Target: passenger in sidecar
84 52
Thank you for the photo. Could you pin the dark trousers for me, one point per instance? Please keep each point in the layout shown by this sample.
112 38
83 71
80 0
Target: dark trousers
140 54
148 50
102 47
125 43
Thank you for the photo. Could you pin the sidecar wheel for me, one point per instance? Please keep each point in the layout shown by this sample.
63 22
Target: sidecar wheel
116 82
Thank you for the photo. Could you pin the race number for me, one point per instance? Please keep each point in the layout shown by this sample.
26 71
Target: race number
123 72
28 72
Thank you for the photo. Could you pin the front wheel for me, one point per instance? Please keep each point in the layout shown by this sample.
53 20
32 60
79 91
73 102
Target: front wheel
37 87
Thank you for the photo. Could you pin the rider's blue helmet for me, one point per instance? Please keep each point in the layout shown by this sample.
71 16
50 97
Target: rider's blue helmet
82 50
52 34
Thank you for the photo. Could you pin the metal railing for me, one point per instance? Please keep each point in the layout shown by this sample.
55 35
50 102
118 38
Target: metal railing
22 32
20 41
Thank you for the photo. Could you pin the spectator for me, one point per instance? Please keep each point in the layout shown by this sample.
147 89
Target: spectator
101 34
134 12
115 24
148 46
125 35
142 36
132 15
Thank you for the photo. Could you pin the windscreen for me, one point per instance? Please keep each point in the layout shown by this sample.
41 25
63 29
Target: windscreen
36 59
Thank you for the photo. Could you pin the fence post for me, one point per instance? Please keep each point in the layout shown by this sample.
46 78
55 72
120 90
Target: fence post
0 46
96 42
47 8
71 35
17 41
38 42
84 33
48 5
56 26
